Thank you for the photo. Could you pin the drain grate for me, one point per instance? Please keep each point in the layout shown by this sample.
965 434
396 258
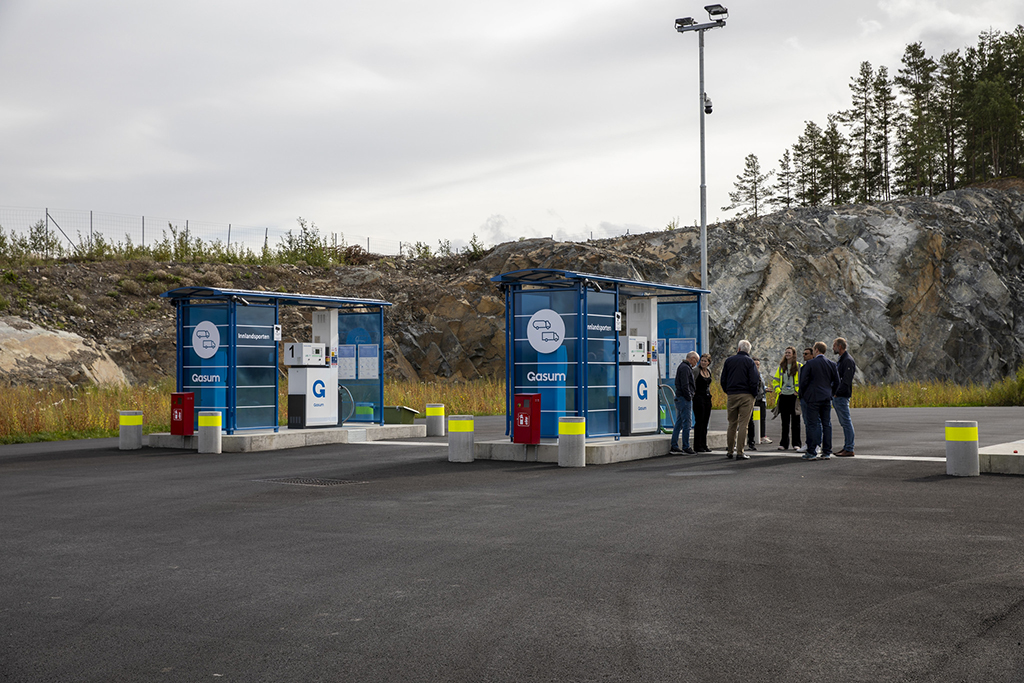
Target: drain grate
311 481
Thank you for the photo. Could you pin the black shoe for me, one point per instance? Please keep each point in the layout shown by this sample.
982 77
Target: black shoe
689 451
751 447
730 455
708 450
674 451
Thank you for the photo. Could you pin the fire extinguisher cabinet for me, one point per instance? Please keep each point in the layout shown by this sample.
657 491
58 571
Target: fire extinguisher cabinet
183 413
526 419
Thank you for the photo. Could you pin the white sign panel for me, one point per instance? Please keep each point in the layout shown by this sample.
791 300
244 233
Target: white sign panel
369 365
347 361
545 331
205 339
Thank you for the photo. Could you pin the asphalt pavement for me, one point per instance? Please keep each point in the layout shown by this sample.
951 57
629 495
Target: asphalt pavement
384 562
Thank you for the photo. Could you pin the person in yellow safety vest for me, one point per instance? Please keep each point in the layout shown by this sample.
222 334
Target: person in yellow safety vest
786 384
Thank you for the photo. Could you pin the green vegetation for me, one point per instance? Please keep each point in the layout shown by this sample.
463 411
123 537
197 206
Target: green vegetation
303 247
936 125
28 415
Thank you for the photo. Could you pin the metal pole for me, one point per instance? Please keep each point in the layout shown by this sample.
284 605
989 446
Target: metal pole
703 213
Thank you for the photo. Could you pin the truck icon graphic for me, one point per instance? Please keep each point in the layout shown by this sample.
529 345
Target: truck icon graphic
549 336
203 334
207 343
542 324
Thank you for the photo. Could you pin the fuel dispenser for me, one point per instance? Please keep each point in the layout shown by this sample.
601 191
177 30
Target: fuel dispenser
638 368
313 375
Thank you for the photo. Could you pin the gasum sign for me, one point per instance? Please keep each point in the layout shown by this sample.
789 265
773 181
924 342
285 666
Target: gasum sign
205 339
545 331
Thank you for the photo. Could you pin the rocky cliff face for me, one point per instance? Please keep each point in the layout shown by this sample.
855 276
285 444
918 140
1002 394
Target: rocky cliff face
924 288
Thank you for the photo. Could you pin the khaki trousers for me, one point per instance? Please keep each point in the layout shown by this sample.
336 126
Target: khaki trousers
740 408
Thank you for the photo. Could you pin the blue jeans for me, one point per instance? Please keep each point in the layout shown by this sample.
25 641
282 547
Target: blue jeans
819 426
842 406
684 419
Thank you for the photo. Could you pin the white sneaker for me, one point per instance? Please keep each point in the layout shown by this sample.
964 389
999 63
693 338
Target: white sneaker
802 449
765 439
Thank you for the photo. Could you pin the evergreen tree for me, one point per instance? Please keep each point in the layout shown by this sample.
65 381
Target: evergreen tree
861 118
786 185
838 174
884 131
915 148
752 189
948 110
808 166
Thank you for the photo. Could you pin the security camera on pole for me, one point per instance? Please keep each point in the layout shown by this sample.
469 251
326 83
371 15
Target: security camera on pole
718 14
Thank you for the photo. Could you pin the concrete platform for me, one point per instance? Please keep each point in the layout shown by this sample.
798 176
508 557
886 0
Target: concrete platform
268 440
1004 458
600 451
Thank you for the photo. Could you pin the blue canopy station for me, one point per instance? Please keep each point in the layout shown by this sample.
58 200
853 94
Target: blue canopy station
595 346
228 352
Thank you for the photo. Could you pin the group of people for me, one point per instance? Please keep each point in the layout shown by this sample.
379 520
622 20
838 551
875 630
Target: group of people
808 390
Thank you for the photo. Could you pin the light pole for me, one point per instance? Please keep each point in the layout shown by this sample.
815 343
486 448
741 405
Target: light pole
717 15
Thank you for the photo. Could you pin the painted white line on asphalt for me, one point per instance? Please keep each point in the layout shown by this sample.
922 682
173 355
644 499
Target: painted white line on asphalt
404 443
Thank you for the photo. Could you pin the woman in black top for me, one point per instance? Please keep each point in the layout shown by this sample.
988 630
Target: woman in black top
702 404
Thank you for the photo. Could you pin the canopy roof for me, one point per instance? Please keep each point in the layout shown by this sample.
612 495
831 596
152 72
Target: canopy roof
248 296
551 277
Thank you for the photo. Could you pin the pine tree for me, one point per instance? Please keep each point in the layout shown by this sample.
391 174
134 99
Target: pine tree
884 131
752 189
915 148
861 119
808 165
786 185
949 115
838 173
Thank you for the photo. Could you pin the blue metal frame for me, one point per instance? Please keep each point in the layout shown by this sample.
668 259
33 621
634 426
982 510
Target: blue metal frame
548 279
183 297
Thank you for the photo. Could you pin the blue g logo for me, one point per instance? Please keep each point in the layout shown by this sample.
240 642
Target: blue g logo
641 390
319 388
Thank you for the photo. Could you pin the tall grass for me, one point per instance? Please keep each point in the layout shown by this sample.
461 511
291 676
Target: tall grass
28 414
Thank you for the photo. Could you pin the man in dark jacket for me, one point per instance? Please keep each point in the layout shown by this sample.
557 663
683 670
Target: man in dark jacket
818 385
841 402
685 388
740 381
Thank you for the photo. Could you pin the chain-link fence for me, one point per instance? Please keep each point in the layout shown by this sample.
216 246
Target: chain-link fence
52 231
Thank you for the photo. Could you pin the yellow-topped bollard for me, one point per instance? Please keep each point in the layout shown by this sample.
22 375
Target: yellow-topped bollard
435 419
209 431
572 441
962 449
129 436
460 438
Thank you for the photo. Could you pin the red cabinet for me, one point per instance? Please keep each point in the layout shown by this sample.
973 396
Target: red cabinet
526 419
183 413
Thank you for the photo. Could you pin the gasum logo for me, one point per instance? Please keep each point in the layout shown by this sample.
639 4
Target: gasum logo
545 331
319 388
641 390
545 376
197 378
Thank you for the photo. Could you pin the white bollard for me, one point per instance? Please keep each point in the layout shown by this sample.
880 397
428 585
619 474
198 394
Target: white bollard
572 442
435 419
209 431
460 438
130 432
962 449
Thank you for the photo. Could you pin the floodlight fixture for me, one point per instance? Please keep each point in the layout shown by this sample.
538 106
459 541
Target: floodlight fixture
685 21
716 12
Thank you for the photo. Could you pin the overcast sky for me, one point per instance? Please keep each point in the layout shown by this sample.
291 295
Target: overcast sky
424 121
